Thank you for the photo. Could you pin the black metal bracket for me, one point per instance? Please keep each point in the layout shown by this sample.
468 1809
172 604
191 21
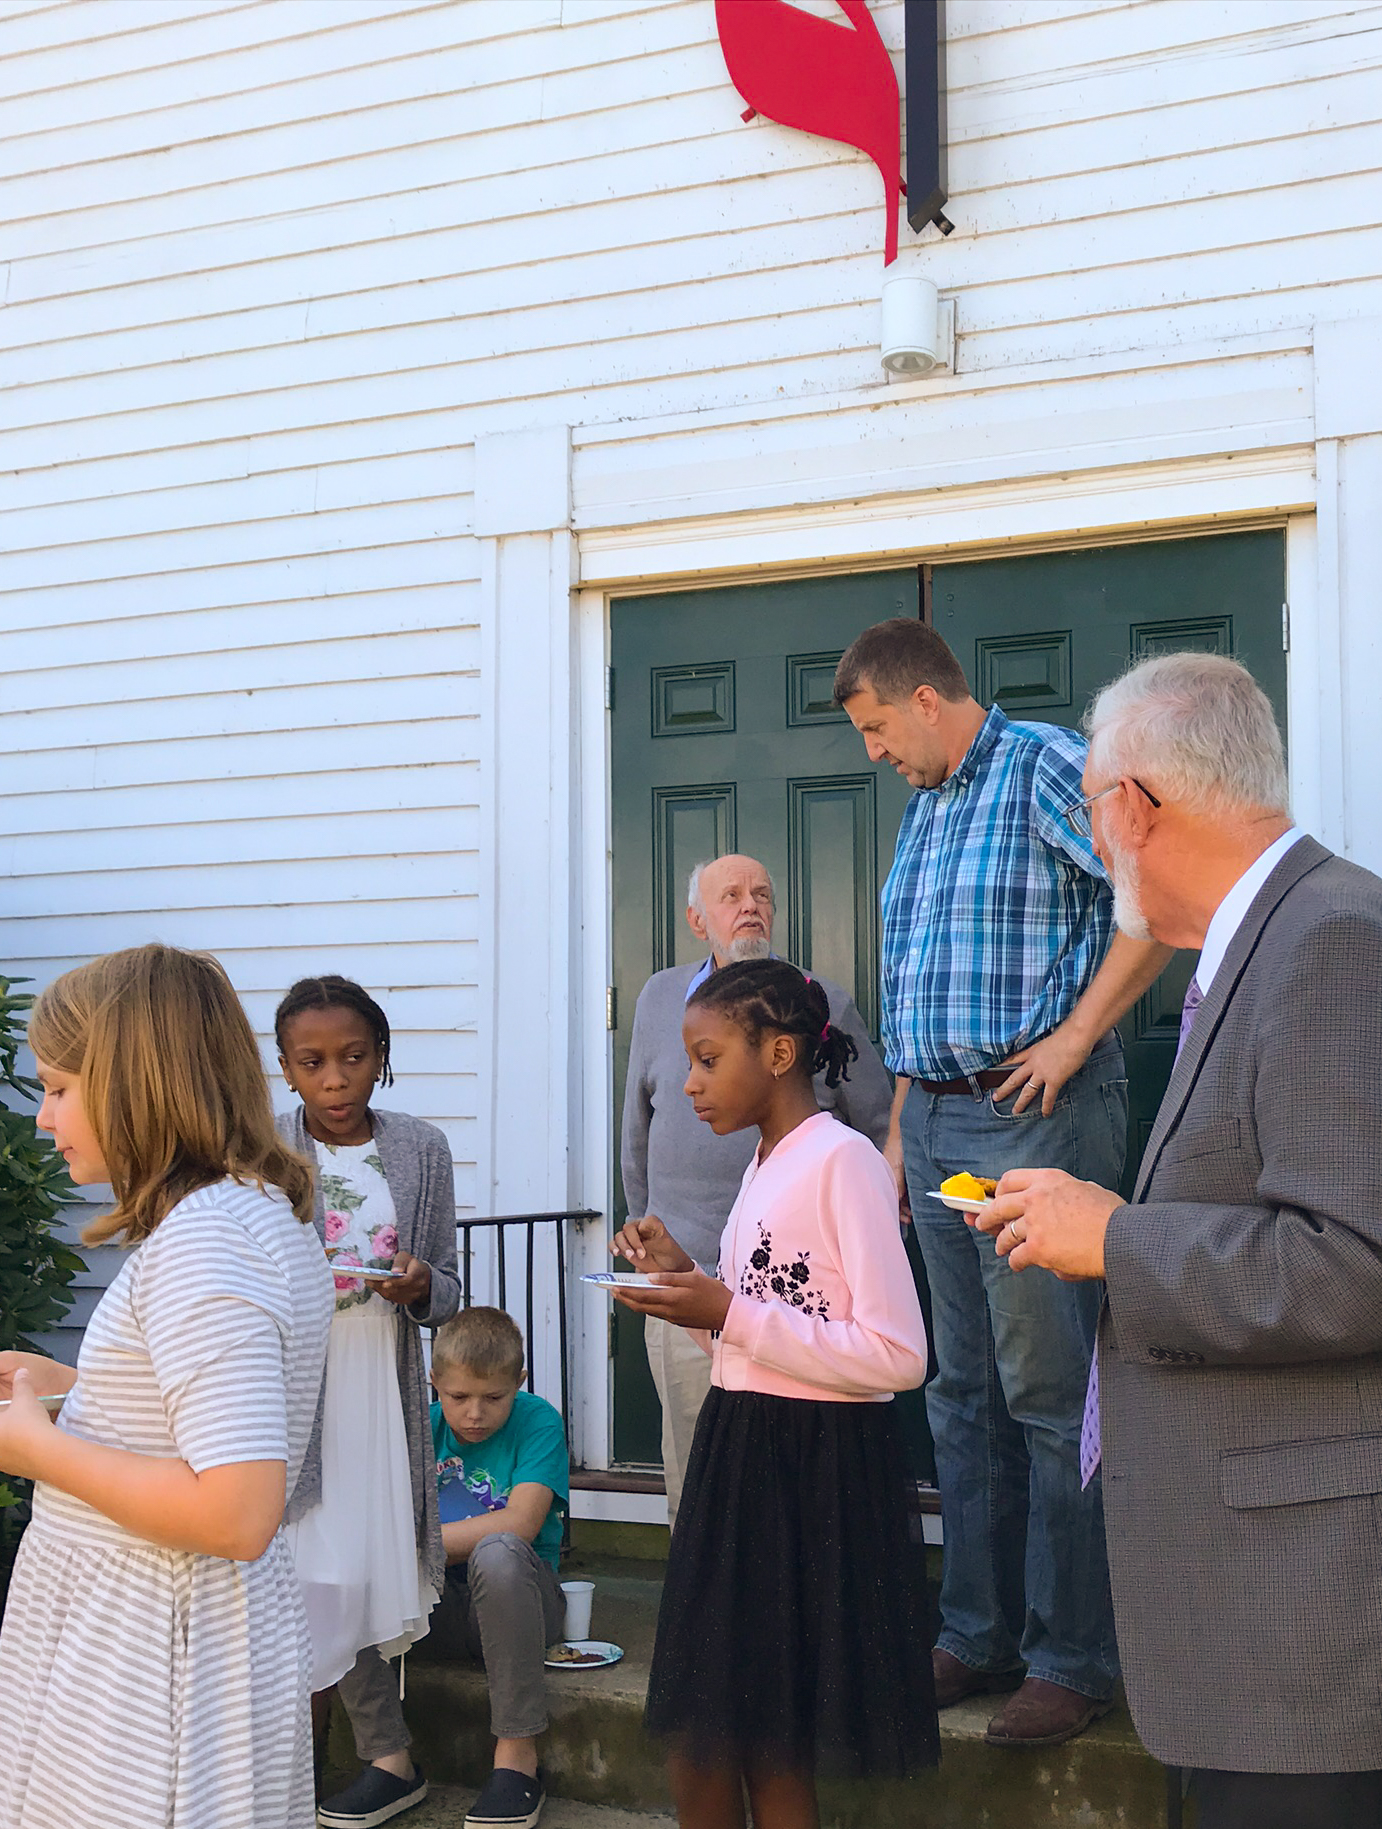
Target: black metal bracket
926 116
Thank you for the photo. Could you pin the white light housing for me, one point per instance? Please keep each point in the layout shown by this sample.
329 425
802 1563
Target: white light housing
918 329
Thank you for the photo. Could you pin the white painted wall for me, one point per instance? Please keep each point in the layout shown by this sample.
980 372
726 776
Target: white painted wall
276 276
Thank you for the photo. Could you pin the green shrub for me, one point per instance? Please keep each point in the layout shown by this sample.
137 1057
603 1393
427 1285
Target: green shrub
36 1268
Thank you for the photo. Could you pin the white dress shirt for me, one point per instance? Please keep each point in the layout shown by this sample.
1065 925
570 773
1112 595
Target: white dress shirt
1228 916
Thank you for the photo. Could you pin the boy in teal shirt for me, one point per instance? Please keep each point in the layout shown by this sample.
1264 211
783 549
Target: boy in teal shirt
503 1475
503 1488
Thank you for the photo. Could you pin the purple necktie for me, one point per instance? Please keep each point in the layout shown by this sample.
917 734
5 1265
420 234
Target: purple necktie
1089 1428
1194 997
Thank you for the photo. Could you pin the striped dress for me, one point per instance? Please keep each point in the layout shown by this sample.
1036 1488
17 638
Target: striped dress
150 1686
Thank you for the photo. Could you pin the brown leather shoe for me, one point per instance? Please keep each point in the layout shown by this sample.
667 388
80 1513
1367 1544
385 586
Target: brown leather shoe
955 1680
1043 1714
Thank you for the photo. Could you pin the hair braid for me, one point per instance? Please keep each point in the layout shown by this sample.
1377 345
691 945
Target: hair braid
770 994
332 992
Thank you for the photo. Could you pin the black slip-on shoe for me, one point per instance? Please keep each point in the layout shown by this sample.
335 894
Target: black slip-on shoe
375 1796
510 1800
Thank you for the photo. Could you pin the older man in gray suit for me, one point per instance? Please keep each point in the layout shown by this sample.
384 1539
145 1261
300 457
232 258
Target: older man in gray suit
1237 1394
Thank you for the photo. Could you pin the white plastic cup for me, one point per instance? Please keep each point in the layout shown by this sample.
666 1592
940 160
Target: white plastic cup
579 1595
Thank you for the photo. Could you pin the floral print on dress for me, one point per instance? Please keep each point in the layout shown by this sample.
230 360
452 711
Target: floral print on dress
350 1239
764 1281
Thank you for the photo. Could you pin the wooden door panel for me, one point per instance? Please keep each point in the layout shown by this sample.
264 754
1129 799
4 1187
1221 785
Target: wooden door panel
693 701
1028 675
832 845
689 825
1202 634
811 690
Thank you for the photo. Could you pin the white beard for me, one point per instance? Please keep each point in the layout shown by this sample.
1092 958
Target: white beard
750 947
1127 893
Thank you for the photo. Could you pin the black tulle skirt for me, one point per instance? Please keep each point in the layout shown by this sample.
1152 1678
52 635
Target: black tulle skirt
793 1634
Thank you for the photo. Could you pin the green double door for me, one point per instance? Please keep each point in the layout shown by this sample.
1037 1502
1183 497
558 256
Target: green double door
725 738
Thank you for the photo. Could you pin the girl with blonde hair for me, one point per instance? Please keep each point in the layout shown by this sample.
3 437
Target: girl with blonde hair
154 1655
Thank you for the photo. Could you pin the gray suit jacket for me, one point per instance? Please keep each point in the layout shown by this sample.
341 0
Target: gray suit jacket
1240 1354
417 1167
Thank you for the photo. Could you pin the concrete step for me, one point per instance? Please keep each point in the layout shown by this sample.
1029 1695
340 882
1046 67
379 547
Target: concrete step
446 1806
597 1753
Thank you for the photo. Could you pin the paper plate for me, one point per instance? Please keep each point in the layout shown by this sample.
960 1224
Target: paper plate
960 1203
597 1650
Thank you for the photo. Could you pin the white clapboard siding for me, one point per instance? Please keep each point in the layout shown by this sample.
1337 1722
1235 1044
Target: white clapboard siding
333 679
237 804
436 832
622 141
259 628
240 712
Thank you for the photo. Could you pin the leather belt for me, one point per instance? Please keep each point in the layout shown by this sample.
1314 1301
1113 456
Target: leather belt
993 1077
987 1081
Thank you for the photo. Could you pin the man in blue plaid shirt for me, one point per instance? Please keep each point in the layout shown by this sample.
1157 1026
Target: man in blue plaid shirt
1002 978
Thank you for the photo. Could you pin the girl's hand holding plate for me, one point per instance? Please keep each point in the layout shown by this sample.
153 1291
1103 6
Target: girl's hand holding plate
688 1298
415 1285
22 1429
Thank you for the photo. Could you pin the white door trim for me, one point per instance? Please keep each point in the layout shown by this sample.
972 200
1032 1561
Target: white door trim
1147 501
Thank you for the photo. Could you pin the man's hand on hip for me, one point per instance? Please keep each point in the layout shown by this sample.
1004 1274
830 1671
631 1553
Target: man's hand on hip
1042 1068
1046 1218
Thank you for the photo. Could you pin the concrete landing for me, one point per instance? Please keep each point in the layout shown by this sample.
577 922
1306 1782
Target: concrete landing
447 1804
597 1753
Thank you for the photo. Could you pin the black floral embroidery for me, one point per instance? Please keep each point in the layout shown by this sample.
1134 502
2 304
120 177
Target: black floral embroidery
763 1280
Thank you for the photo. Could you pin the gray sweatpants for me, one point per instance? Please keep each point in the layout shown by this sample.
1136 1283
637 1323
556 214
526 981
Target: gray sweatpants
504 1606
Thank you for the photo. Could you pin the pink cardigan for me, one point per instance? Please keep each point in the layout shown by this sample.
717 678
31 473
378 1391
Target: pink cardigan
824 1306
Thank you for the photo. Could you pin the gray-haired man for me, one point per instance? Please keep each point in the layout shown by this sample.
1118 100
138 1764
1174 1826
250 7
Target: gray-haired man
1238 1391
676 1167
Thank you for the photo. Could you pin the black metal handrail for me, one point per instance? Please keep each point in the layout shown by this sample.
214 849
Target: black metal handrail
499 1223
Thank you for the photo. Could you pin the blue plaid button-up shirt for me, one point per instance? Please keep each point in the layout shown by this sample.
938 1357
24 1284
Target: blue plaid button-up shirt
995 915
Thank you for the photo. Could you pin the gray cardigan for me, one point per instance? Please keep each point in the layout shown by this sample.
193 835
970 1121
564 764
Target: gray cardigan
417 1167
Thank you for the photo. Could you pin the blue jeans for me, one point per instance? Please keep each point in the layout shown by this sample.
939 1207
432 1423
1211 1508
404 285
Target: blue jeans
1026 1569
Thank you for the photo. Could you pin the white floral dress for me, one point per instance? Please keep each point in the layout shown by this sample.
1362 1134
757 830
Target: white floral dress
356 1552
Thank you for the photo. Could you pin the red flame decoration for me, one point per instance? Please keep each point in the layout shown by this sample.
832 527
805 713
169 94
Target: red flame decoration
822 77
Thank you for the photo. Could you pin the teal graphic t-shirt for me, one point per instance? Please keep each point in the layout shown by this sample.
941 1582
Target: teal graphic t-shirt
476 1477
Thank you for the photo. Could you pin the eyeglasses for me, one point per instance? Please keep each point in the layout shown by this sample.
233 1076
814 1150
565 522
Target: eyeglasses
1077 815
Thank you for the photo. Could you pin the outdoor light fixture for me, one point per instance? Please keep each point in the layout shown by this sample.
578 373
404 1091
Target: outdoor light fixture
918 327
